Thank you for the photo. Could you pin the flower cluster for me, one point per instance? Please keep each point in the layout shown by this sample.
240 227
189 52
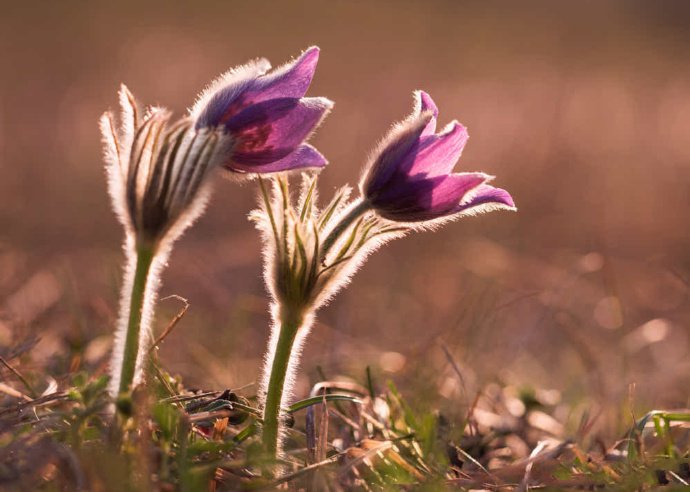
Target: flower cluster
253 122
249 121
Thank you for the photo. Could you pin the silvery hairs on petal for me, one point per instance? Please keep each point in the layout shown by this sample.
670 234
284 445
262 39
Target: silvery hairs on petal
266 115
400 139
239 76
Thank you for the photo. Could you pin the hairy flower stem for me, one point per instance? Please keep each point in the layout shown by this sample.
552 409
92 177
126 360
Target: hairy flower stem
357 209
290 322
145 257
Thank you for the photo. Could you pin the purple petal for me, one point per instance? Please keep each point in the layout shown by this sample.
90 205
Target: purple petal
289 81
398 147
437 154
270 130
427 198
227 99
488 195
305 156
425 103
450 190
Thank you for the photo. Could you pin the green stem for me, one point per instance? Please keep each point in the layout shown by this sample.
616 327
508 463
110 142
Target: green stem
145 255
290 323
357 209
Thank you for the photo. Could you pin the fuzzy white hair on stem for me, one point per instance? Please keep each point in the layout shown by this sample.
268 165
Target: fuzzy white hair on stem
122 323
159 183
295 356
153 283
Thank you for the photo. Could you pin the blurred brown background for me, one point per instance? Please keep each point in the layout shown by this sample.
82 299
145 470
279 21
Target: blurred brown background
582 110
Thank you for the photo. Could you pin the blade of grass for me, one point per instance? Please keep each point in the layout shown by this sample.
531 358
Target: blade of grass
300 405
19 376
173 322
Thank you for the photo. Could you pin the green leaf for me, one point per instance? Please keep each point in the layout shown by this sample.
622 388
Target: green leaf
167 417
300 405
308 200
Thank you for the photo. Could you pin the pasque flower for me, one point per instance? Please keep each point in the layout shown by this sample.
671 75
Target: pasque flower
266 114
410 176
248 121
309 255
158 179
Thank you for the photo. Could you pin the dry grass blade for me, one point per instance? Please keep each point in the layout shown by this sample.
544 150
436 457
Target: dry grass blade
319 481
19 376
183 398
677 478
22 348
173 322
9 390
38 401
476 463
524 484
322 443
347 420
310 433
351 387
544 458
364 457
307 469
454 365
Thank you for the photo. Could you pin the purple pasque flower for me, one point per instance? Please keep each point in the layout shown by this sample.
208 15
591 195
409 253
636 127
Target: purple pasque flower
266 114
410 176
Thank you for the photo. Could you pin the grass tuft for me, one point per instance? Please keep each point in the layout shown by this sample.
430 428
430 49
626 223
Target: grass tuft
344 436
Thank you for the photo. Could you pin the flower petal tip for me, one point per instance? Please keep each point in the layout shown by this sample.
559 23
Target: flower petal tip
456 130
487 194
426 103
311 54
304 66
319 102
